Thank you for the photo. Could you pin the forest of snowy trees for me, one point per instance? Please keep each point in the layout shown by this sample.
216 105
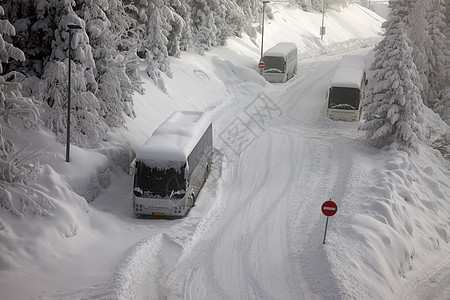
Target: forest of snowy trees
411 68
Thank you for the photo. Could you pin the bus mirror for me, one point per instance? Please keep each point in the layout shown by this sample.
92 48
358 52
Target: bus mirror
367 81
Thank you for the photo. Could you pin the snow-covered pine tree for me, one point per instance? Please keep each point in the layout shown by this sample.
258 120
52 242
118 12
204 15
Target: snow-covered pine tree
126 32
203 23
393 106
81 49
17 172
12 104
420 38
180 36
234 19
87 127
252 11
222 29
158 28
115 88
154 18
34 27
438 55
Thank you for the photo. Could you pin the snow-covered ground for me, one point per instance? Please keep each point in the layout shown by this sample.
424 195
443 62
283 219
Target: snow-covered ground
256 231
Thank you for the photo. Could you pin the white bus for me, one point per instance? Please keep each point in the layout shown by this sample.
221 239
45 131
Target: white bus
280 62
172 165
347 90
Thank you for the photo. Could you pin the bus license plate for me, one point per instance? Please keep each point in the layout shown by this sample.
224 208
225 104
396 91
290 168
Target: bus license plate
158 214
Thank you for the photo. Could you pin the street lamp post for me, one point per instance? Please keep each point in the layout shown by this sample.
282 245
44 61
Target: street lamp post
322 29
262 30
71 27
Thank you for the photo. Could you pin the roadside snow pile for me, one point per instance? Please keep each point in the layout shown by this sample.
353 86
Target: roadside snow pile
394 215
139 272
45 214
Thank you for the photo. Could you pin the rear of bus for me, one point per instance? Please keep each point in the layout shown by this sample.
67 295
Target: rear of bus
345 94
159 188
280 62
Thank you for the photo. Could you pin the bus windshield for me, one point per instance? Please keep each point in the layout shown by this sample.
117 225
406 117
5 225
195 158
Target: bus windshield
157 182
274 64
344 98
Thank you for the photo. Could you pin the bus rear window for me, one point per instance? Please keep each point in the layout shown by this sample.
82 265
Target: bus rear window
157 182
344 98
274 64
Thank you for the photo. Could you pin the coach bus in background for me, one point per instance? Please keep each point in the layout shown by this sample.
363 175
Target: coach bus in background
347 89
280 62
172 166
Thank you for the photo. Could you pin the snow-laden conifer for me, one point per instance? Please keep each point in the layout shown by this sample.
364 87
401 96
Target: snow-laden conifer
86 126
420 38
158 29
438 54
393 106
181 35
204 25
17 171
115 88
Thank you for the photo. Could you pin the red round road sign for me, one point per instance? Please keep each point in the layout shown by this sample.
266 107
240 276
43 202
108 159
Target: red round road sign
329 208
261 65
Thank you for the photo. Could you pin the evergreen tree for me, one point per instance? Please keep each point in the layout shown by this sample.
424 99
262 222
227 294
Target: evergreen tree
234 20
115 88
252 11
393 106
159 18
203 24
180 36
16 172
418 33
438 57
87 127
34 27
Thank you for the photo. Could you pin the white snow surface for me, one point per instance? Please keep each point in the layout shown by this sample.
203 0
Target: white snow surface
256 231
347 76
175 138
281 49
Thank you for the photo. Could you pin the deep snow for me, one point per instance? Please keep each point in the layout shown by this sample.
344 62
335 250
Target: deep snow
256 231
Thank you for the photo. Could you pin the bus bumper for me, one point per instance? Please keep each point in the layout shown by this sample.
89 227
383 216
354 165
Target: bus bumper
343 115
150 208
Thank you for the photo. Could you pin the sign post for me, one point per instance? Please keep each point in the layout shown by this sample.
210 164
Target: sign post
329 208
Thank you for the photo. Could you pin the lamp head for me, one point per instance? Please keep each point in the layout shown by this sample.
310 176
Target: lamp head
74 26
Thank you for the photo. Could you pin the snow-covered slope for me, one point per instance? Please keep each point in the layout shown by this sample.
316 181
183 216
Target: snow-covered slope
257 230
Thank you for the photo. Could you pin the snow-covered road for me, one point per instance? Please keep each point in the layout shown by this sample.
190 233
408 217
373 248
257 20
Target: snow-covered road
277 168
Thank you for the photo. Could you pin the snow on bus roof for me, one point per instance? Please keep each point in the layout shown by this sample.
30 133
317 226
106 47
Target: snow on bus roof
175 138
281 49
348 76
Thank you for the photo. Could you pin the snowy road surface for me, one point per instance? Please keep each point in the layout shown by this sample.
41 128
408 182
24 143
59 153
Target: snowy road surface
274 152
